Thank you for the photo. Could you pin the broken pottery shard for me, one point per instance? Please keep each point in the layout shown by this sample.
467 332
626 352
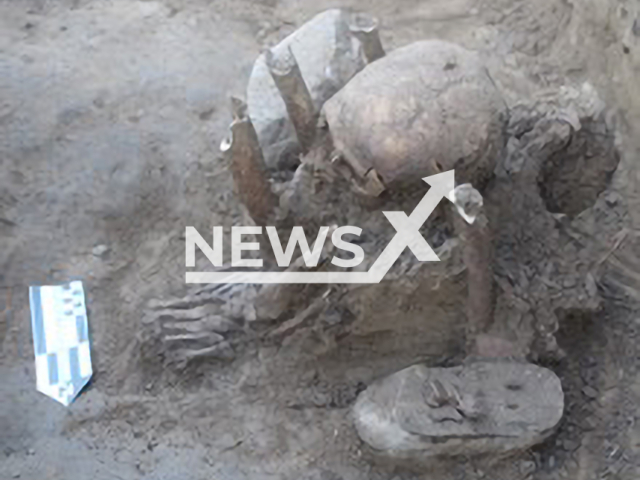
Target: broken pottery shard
60 340
420 110
478 408
328 56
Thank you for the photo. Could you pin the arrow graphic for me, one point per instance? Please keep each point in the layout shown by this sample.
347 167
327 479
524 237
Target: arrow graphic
407 236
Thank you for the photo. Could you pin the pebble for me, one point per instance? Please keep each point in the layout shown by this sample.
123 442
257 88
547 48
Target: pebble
589 361
100 251
527 467
588 375
590 392
612 198
589 423
591 286
570 445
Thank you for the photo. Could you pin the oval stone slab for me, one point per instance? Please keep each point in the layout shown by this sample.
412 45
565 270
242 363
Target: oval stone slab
477 408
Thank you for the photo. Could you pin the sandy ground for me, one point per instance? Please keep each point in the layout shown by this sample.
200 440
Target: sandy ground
111 113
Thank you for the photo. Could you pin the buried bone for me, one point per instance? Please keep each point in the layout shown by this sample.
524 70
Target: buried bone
495 405
365 28
247 166
378 127
286 74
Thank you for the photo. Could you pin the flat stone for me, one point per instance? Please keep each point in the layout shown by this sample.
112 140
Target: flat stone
477 408
328 57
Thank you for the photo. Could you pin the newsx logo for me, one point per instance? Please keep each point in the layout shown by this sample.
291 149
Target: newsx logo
283 256
407 236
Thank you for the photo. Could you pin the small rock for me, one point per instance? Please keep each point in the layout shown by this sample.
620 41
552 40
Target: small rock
16 474
570 445
320 399
612 198
636 27
551 462
527 467
588 375
615 452
591 286
99 102
31 452
589 361
589 423
590 392
100 251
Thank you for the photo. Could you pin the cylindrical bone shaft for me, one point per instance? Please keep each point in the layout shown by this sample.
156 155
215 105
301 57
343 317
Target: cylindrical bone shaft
286 74
365 29
473 227
478 257
248 167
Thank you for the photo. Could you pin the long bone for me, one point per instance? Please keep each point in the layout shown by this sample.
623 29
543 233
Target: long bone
248 167
474 229
286 74
365 28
